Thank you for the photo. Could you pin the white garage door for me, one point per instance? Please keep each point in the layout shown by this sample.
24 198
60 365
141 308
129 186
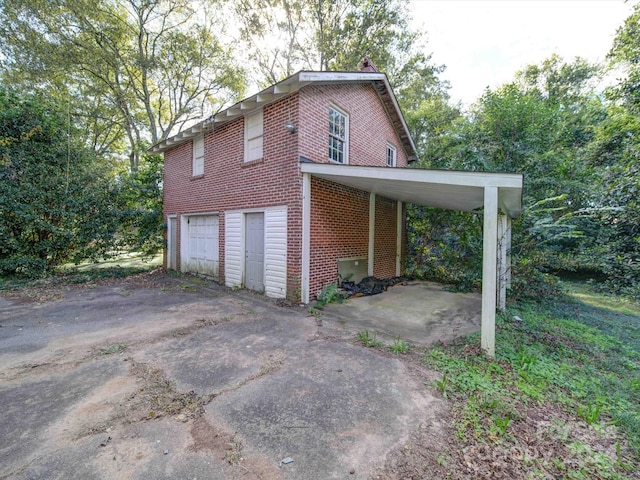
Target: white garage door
202 245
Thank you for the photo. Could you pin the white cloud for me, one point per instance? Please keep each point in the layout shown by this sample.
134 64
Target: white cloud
483 43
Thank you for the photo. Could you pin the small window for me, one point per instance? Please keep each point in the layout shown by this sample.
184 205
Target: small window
391 155
338 136
198 156
253 130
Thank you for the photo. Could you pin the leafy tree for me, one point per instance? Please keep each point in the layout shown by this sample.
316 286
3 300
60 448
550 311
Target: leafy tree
542 125
284 36
616 149
621 255
625 53
55 204
140 202
558 81
153 65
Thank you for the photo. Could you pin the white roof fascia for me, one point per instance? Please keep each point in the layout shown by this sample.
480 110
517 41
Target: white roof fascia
279 89
274 92
400 115
340 77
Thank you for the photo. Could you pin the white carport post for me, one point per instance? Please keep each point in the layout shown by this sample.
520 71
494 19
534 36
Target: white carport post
489 270
372 232
398 238
306 236
508 259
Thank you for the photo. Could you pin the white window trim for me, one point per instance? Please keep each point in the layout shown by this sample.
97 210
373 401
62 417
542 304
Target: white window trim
394 150
197 165
346 135
246 135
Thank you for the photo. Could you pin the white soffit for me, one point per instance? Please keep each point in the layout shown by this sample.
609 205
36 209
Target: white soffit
453 190
290 85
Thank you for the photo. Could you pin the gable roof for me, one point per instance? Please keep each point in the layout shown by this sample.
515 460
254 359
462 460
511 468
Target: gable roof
292 84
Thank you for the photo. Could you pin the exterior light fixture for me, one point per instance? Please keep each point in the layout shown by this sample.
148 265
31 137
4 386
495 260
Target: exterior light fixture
290 127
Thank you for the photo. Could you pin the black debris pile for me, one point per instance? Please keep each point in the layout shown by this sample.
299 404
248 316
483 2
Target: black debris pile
370 286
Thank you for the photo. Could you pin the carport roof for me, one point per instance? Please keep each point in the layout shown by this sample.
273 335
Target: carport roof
454 190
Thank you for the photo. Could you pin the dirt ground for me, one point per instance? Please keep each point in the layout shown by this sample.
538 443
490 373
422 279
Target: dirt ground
159 376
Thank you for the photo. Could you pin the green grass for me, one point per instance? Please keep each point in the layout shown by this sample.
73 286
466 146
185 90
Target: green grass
577 359
399 346
119 266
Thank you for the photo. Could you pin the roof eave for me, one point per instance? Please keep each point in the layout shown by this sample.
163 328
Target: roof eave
291 85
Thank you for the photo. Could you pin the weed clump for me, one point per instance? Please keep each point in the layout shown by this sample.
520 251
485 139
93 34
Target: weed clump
329 294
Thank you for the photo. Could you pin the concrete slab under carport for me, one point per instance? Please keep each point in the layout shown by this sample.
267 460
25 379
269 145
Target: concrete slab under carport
499 195
419 312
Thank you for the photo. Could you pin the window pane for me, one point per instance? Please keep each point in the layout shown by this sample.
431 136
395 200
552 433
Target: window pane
336 150
391 156
198 166
254 134
337 124
337 135
198 146
255 149
198 156
254 125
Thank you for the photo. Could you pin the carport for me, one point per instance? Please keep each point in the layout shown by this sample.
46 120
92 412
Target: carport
498 194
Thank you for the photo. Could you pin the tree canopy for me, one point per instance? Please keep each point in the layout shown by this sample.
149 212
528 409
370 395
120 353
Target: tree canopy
134 70
56 203
88 86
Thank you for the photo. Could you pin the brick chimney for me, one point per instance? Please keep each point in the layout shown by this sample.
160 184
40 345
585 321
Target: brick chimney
368 66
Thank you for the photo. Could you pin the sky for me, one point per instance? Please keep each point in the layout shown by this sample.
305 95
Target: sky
483 43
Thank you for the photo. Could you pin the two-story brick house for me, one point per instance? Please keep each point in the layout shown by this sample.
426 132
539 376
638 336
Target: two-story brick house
307 178
233 185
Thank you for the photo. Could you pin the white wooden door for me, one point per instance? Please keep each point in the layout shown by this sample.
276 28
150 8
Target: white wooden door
254 251
203 245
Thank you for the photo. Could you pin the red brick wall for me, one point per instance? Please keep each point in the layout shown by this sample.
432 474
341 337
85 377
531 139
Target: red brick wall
229 183
369 127
339 215
384 250
339 229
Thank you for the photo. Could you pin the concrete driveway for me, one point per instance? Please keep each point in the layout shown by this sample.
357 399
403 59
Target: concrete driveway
166 377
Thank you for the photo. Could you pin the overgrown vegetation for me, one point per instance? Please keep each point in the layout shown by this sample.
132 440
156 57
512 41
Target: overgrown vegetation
115 348
577 145
76 181
399 346
562 397
329 294
59 203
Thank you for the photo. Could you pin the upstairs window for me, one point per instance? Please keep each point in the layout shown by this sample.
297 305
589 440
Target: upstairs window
391 155
198 156
338 136
253 130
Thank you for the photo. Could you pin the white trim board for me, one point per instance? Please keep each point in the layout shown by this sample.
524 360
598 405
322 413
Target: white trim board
452 190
